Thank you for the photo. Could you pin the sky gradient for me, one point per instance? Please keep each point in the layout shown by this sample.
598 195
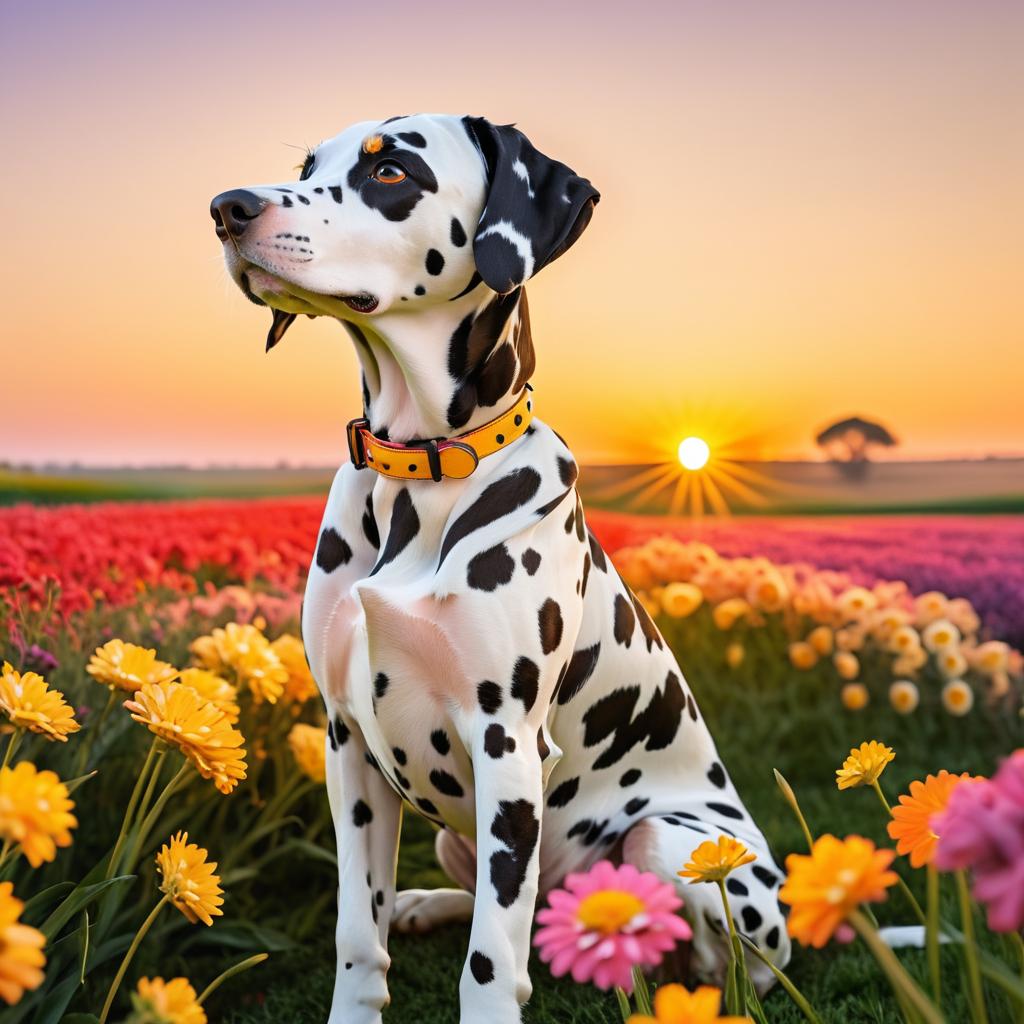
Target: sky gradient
809 209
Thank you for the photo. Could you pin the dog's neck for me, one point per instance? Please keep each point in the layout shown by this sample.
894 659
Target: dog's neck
446 369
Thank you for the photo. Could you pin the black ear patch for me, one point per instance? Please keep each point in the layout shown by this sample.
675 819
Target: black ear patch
535 208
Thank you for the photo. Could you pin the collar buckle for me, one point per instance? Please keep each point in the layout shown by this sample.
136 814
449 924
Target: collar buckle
433 460
356 446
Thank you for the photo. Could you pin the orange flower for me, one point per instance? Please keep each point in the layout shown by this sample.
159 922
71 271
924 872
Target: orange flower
911 818
713 861
189 880
166 1002
673 1004
21 949
35 811
864 765
823 889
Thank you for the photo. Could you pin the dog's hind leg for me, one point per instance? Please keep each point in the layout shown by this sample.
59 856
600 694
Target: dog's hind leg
422 910
664 844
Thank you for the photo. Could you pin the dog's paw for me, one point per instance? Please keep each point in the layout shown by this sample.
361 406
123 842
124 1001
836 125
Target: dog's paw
422 910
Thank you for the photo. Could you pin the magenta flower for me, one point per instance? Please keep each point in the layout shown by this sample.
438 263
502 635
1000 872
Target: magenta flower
982 829
605 922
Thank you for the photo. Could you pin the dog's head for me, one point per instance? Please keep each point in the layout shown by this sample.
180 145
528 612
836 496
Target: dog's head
398 215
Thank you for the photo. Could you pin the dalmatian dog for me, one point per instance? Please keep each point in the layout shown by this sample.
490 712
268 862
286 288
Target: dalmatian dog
481 661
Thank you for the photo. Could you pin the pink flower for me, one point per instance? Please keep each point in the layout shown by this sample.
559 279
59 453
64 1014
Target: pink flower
605 922
982 829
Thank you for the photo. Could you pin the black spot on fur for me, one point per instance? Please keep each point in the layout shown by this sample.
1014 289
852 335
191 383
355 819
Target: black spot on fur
481 967
736 887
691 706
613 715
580 668
772 938
495 741
335 191
370 530
380 685
636 805
445 782
405 524
564 792
586 574
490 569
495 501
458 233
764 876
531 561
441 743
420 290
330 736
341 732
543 750
361 814
549 621
516 826
434 262
625 620
579 829
525 682
402 780
399 755
427 806
716 775
752 919
630 778
597 553
413 139
725 810
567 471
489 696
650 630
595 832
332 551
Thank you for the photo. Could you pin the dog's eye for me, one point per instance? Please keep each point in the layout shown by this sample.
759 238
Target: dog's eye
307 166
388 173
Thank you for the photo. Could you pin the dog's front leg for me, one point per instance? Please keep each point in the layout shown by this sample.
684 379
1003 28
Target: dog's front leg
367 815
507 777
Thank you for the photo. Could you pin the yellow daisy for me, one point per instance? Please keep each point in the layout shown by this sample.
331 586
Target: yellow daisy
35 811
127 666
855 696
308 745
244 649
166 1002
30 704
189 880
712 861
681 599
300 686
864 765
214 688
21 949
196 726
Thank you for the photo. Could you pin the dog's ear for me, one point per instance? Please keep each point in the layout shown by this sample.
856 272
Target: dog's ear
534 210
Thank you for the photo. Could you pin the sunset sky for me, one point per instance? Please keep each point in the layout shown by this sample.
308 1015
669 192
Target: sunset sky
809 209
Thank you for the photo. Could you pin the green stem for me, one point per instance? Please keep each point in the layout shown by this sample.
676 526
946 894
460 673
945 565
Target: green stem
794 993
12 745
230 973
129 813
898 977
5 851
94 731
881 796
151 818
931 934
737 955
139 936
641 992
912 900
624 1008
787 792
978 1012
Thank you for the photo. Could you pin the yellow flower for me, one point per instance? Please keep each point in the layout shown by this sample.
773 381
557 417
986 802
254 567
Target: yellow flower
991 657
189 879
907 664
847 664
851 638
903 640
855 696
823 889
952 663
30 704
864 765
712 861
822 639
649 603
300 686
35 811
734 655
855 603
957 697
904 696
727 613
247 652
214 688
308 749
930 606
911 819
768 591
608 910
802 655
166 1002
681 599
940 634
127 666
198 728
21 949
673 1004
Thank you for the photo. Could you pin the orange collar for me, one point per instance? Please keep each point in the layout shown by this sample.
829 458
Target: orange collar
452 457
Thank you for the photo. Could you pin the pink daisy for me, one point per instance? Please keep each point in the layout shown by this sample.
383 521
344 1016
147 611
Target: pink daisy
605 922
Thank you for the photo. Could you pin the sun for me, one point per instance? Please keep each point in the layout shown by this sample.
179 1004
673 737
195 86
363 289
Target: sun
694 453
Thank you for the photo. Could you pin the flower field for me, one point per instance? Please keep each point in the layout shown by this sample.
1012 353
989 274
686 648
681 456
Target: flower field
164 826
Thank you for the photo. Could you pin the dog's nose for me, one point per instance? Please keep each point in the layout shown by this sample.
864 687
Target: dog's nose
232 212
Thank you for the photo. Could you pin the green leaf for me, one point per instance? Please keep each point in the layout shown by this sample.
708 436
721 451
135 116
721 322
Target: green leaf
43 899
239 935
80 1018
79 899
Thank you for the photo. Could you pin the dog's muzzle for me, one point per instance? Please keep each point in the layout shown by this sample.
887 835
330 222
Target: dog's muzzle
234 211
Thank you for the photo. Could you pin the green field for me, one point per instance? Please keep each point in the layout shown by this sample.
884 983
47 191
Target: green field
786 720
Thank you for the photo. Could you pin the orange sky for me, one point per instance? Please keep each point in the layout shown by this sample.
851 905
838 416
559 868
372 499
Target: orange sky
809 209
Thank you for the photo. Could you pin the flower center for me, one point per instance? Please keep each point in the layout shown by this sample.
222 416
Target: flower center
608 911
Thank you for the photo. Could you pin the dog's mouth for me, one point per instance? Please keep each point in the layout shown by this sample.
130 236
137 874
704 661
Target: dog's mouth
364 302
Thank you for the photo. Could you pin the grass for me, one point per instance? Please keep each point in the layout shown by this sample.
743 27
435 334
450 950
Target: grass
762 718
